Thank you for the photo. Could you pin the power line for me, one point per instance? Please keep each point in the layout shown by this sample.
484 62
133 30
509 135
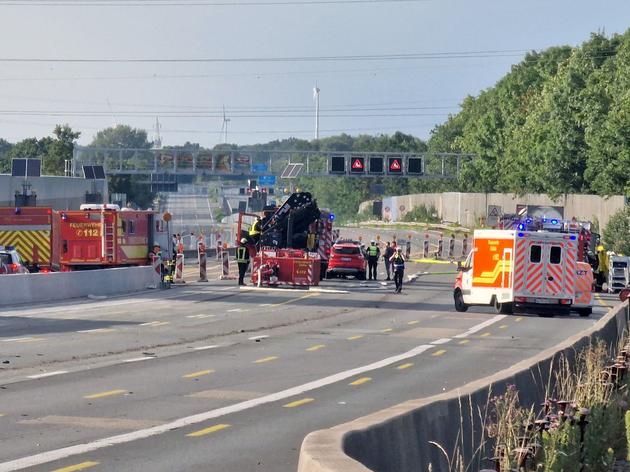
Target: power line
157 3
371 57
203 114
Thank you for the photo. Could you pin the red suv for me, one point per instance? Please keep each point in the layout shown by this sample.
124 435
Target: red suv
346 258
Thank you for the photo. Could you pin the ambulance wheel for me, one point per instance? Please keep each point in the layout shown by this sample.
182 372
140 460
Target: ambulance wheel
459 301
585 311
503 308
361 275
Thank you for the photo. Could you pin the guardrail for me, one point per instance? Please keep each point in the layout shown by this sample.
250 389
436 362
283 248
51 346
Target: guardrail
44 287
397 438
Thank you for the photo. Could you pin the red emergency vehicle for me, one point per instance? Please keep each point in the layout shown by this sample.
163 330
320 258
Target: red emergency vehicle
96 236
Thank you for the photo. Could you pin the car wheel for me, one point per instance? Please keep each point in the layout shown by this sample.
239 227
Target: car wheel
459 301
585 311
361 275
502 308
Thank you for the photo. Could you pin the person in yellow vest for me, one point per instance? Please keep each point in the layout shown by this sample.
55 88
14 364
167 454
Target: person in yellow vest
254 231
242 259
373 252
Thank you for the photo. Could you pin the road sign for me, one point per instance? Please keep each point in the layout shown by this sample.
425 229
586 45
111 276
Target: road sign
358 165
337 165
414 165
494 212
394 165
166 217
259 168
267 180
375 165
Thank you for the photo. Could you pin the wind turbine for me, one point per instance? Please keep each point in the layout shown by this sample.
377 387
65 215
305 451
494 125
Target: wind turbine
316 98
224 126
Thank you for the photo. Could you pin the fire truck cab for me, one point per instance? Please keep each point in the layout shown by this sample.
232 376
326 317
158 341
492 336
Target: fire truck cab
527 271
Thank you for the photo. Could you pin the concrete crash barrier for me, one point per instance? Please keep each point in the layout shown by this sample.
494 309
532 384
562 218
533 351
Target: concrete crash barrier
398 438
41 287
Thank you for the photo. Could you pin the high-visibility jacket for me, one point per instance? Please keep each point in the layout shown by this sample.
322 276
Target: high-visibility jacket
255 229
373 251
242 254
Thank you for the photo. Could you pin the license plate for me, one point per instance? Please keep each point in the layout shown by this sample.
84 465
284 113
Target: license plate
346 259
545 300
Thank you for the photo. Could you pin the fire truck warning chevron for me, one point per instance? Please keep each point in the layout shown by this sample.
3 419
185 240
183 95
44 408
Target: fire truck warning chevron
523 271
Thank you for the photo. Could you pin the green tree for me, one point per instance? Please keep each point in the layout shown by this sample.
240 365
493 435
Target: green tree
617 232
59 150
121 136
5 162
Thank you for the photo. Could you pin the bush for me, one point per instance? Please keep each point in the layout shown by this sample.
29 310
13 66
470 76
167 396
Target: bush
420 213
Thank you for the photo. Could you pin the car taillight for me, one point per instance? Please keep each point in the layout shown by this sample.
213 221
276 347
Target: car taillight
44 270
565 301
520 299
13 267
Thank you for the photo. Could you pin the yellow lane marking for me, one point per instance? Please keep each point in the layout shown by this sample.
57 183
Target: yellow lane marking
105 394
387 330
519 319
266 359
503 326
74 468
602 302
316 347
296 299
464 341
197 374
360 381
485 335
405 366
1 415
413 322
301 402
438 353
354 338
211 429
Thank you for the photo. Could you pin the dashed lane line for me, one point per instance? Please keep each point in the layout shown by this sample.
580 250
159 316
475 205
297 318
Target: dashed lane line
154 324
201 373
265 359
405 366
47 374
297 403
360 381
439 353
97 330
387 330
414 322
258 338
464 341
293 300
211 429
354 338
109 393
77 467
503 326
139 359
316 347
601 301
486 334
203 348
518 319
86 447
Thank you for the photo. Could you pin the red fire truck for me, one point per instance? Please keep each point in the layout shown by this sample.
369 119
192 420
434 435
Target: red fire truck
95 237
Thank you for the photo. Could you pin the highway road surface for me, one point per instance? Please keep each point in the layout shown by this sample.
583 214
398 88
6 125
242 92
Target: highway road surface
216 378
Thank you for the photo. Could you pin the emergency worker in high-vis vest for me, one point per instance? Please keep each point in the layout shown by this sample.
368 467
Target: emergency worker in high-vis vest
373 252
242 259
255 230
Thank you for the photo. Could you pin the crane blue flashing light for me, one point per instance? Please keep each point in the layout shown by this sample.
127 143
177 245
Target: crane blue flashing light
331 217
521 227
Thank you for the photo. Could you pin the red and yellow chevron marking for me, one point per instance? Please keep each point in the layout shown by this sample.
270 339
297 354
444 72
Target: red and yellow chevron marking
32 246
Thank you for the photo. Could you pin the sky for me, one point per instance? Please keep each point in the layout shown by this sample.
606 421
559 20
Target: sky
381 66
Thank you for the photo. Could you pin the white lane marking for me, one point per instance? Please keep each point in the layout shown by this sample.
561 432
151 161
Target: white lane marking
203 348
441 341
138 359
17 339
254 338
47 374
58 454
480 326
96 330
265 304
